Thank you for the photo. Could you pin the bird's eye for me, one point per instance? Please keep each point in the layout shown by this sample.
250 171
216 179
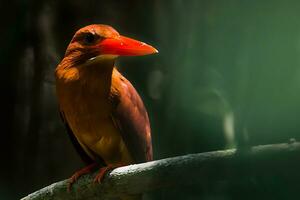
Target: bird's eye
90 38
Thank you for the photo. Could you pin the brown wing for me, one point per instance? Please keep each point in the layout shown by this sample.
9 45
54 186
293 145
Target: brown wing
132 119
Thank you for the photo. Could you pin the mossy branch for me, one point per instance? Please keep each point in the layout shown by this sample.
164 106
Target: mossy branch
202 168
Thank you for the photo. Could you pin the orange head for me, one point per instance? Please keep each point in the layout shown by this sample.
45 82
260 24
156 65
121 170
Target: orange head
98 42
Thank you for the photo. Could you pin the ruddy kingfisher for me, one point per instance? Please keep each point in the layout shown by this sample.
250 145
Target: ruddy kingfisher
103 113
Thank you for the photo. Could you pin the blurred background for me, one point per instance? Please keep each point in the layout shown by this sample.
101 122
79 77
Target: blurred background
227 75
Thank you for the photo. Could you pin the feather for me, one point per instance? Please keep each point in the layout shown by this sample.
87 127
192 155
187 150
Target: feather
85 157
130 116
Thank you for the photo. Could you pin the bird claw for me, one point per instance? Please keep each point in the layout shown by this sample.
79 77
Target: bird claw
102 172
78 174
98 178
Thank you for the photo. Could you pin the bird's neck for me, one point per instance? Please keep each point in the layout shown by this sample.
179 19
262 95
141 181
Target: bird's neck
97 78
93 78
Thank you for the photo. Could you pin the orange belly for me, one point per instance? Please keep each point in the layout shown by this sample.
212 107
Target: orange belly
84 99
95 130
100 137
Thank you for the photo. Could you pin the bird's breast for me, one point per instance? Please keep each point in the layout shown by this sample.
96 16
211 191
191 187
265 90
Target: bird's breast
89 117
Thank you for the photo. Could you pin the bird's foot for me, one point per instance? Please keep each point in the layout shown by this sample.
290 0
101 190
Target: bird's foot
79 173
102 171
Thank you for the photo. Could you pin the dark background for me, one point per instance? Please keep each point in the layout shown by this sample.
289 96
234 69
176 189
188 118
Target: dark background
227 75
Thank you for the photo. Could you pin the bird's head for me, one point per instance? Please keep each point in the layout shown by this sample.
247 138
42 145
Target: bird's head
97 43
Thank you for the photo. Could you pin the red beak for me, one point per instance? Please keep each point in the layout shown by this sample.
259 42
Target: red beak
124 46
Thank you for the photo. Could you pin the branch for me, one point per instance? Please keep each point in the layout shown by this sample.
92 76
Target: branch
202 168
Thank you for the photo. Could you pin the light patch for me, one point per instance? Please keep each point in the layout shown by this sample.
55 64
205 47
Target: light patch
100 58
228 125
70 74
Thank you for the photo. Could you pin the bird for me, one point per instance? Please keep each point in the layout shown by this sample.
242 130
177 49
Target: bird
103 113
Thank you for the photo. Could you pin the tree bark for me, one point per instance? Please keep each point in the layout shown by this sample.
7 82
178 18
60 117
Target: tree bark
202 168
